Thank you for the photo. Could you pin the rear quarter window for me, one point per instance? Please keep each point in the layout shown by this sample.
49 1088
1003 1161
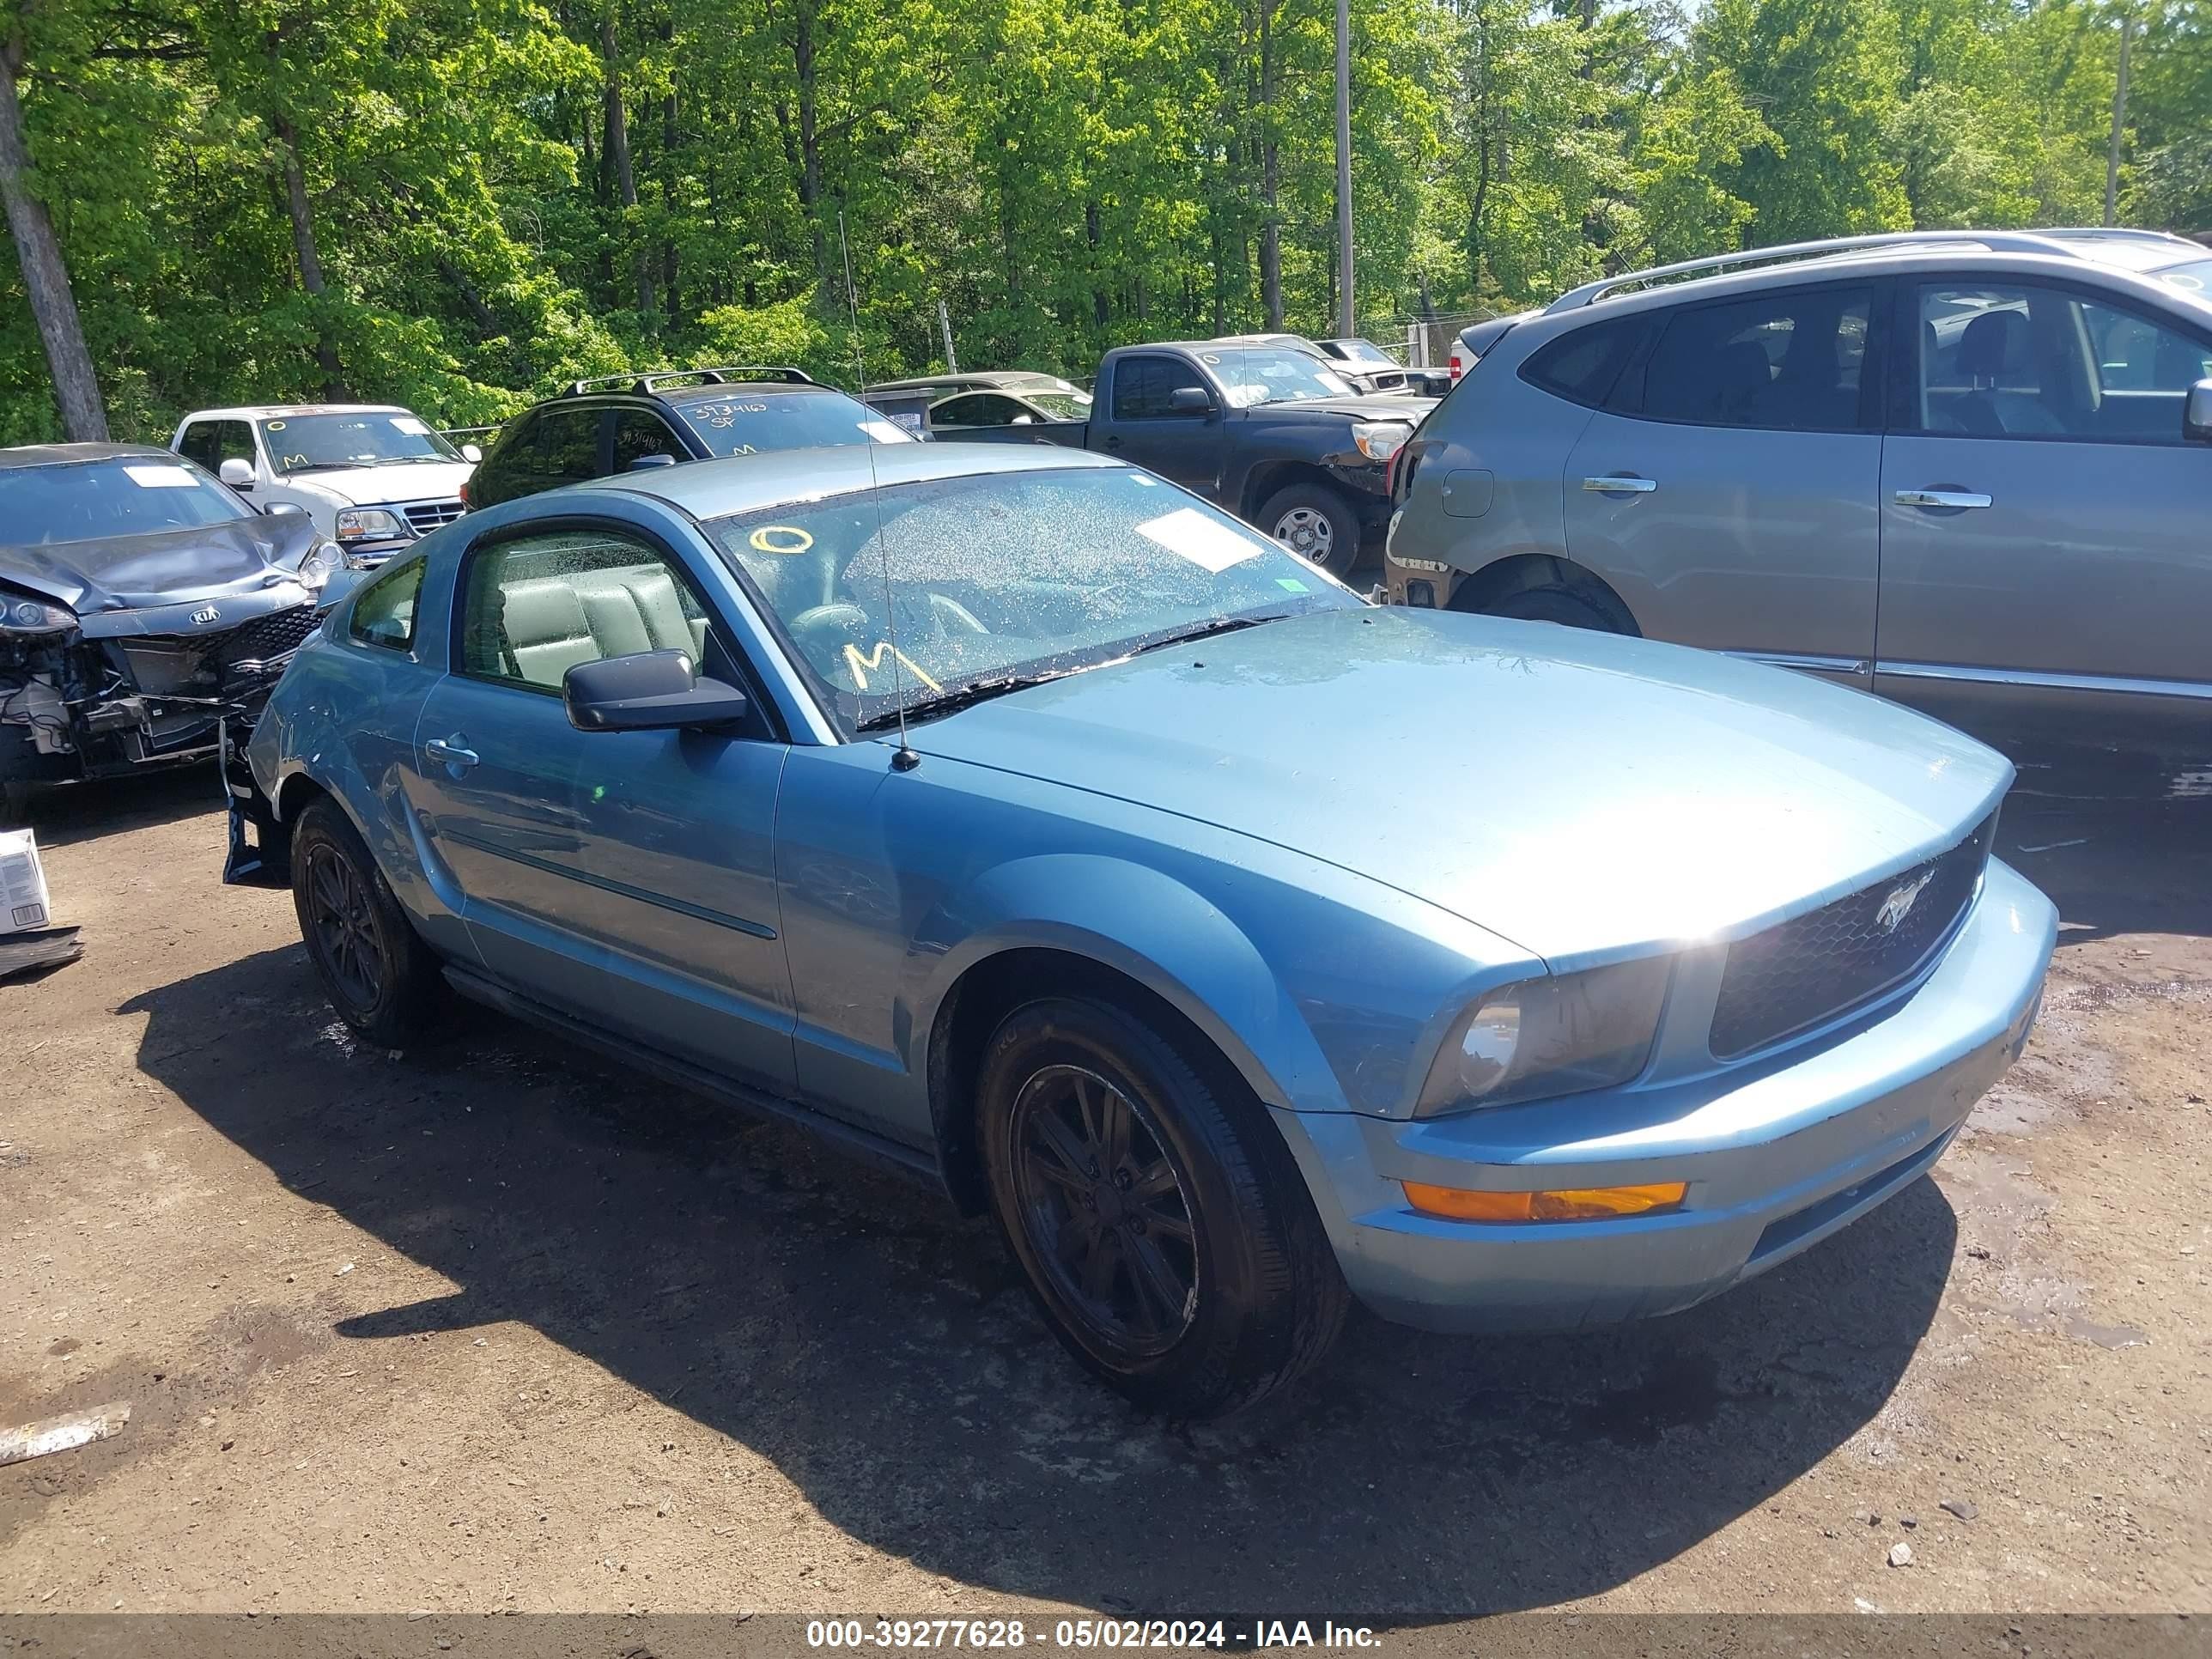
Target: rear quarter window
384 614
1582 365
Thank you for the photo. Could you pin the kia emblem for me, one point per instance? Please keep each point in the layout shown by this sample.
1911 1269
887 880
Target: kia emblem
206 616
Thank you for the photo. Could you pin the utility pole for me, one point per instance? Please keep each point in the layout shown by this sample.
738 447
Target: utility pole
944 323
1345 326
2119 122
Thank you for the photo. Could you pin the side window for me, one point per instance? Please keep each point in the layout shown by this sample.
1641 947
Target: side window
1144 385
2020 360
1788 362
534 607
568 445
637 434
198 444
1583 366
977 409
384 615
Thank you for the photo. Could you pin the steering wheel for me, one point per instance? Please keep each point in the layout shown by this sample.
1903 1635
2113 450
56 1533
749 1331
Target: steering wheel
821 631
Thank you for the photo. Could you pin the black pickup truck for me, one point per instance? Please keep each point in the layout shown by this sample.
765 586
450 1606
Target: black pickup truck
1269 432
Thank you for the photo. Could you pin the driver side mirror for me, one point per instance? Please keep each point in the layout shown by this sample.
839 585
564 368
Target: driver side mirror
2196 413
647 691
237 473
472 454
1191 400
657 458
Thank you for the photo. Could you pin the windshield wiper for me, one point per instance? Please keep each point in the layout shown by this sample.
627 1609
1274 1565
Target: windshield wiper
963 697
1218 625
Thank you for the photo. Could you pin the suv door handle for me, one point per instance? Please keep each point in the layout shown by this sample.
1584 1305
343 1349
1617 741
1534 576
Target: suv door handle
1940 498
1621 484
450 751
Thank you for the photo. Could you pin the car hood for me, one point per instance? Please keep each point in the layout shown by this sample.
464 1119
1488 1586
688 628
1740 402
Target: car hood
1373 406
1575 792
125 573
375 486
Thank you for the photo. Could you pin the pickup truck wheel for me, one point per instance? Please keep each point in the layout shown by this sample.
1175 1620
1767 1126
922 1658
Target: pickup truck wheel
382 978
1316 523
1164 1229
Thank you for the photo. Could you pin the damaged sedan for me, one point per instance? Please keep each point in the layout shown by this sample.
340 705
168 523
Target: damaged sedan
140 601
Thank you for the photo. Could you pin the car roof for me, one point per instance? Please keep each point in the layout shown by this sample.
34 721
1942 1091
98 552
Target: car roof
2054 252
991 379
745 484
285 411
67 455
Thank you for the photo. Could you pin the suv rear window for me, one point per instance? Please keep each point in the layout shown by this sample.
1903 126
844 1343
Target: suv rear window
740 421
1582 366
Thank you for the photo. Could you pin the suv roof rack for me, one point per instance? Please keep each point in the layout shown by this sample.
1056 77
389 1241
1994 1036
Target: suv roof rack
721 374
1995 241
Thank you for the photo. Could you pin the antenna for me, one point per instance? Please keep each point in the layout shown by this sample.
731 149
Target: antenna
903 759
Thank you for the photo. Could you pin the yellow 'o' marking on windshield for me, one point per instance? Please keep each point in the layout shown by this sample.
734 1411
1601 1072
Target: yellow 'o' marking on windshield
791 538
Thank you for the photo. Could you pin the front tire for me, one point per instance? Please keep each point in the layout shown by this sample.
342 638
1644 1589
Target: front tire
1316 523
1164 1229
1568 605
379 976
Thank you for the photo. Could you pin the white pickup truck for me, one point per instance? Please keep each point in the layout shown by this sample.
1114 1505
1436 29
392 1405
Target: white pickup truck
374 477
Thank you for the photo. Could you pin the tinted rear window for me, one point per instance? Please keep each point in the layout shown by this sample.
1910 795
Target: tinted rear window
739 422
1582 366
130 496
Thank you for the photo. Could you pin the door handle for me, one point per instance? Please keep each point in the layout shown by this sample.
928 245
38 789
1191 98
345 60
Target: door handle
450 751
1622 484
1940 498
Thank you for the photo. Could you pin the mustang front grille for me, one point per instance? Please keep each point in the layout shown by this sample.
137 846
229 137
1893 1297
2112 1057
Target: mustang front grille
1820 966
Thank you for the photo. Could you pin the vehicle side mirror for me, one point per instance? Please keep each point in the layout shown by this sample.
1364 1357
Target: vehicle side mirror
237 473
647 691
281 509
472 454
654 459
2196 413
1191 400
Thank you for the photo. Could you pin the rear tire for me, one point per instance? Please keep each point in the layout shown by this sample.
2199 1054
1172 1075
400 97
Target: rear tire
1164 1229
1569 606
382 978
1316 523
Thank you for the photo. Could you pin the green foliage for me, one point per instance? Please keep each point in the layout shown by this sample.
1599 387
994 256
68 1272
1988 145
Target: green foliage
1063 175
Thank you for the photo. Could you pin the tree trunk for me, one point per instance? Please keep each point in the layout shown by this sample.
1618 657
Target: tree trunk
1271 176
2119 123
297 208
618 154
45 278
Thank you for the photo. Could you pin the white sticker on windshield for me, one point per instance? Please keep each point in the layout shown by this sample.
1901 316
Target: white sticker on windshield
1207 543
410 425
162 478
884 433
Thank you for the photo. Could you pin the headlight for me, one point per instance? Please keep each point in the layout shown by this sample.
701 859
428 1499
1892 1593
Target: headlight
315 570
21 614
358 524
1378 440
1561 1035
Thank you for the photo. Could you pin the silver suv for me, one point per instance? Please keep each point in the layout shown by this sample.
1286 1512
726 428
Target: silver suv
1969 470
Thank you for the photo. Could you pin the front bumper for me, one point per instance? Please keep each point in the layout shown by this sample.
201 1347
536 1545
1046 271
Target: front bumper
1776 1156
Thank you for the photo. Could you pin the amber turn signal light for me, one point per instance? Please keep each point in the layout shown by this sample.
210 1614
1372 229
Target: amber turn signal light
1566 1204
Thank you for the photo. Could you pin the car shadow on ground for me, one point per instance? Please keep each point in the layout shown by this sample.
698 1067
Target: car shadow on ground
882 1354
61 814
2131 861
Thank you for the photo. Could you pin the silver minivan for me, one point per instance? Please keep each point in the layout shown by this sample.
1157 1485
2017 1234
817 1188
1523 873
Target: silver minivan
1969 470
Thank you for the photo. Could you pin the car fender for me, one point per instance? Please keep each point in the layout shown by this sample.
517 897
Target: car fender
1146 924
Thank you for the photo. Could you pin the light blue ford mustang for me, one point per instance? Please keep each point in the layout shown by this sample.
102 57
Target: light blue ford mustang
1240 947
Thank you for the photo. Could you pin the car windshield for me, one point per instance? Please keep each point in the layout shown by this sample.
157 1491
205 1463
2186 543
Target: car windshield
2193 276
89 501
1364 351
751 422
374 437
1272 374
1061 405
917 593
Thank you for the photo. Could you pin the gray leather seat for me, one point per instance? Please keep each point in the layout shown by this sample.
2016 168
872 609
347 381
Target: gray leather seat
547 624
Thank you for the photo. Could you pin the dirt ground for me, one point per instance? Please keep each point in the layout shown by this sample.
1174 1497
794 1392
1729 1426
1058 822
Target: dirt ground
487 1326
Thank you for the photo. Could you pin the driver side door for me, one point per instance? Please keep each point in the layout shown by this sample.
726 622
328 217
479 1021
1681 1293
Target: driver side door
626 879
